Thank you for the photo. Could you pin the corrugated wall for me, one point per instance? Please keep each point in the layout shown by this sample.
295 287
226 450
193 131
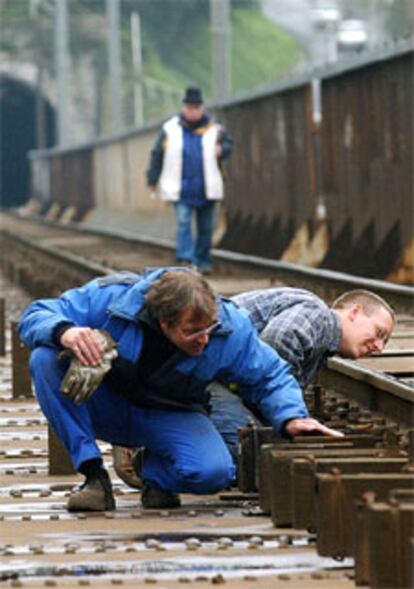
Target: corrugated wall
366 170
367 165
269 189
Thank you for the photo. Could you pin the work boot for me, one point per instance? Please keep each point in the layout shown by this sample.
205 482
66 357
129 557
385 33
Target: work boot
127 464
94 495
152 498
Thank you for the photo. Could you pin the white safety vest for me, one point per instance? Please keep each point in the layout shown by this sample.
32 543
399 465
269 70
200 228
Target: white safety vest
170 179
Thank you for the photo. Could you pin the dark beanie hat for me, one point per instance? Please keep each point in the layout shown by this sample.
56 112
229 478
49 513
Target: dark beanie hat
193 95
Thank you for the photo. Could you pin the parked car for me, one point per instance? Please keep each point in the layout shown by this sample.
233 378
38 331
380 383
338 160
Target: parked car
352 34
325 15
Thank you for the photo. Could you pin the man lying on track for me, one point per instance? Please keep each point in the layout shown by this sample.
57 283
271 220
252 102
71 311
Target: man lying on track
305 332
142 350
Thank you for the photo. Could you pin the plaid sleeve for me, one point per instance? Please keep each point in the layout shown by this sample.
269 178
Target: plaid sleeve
296 334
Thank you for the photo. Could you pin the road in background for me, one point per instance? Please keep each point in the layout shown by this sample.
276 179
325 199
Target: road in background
319 43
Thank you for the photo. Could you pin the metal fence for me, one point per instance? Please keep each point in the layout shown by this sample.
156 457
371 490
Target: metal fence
270 188
358 162
367 164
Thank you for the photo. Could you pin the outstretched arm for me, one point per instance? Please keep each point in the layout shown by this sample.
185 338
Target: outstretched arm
266 381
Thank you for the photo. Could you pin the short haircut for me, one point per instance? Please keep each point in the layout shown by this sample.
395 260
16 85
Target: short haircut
369 301
176 291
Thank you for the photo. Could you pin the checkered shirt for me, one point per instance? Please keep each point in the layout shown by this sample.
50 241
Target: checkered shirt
297 324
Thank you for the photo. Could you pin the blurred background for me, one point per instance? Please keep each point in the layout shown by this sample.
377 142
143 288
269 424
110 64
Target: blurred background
318 95
107 66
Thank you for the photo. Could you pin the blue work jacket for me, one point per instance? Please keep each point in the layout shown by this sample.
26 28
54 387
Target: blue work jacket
234 353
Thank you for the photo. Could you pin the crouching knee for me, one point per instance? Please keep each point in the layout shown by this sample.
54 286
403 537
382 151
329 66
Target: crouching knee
42 358
208 478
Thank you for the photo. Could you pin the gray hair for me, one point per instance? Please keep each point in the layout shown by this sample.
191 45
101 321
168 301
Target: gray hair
176 291
369 301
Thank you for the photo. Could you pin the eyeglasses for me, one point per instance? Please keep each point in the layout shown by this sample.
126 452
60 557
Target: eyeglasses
197 334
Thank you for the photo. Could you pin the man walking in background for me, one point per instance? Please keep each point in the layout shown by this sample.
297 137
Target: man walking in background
185 164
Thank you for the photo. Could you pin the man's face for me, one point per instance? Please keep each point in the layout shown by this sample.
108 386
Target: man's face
189 333
363 335
192 112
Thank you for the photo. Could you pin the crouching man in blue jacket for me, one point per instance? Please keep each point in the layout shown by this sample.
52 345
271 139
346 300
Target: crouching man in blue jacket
138 354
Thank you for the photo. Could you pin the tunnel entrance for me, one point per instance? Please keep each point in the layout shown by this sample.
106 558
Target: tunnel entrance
27 122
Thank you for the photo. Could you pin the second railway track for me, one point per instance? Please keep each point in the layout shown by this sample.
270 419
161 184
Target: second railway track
107 250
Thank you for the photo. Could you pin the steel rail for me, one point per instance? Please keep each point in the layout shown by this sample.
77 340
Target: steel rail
379 380
76 262
371 388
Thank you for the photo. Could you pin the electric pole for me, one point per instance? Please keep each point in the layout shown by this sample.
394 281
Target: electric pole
137 68
114 60
220 45
40 108
61 45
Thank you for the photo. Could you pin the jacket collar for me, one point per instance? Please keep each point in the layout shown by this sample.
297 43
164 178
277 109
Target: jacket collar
203 122
132 301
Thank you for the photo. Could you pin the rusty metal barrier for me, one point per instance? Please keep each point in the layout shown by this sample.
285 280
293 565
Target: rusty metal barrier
382 542
304 470
334 506
22 382
265 463
2 327
277 495
251 438
367 151
59 461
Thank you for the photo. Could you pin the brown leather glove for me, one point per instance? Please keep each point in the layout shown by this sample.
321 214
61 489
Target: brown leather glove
81 381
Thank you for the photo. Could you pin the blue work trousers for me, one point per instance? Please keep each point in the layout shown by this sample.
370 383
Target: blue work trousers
229 414
197 252
185 453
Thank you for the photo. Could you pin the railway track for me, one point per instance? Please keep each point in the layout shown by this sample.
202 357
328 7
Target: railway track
73 244
47 258
261 534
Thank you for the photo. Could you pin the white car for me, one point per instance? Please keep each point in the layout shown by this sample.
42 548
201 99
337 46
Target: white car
352 34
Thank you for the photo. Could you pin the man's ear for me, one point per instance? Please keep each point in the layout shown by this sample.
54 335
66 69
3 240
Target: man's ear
354 311
163 325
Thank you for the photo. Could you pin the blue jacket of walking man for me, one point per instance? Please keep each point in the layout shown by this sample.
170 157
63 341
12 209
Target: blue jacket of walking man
173 336
186 165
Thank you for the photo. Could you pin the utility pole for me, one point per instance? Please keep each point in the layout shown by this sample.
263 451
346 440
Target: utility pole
40 108
220 45
114 59
61 45
137 68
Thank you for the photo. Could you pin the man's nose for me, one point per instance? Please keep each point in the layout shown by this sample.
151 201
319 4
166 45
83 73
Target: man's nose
203 338
379 345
